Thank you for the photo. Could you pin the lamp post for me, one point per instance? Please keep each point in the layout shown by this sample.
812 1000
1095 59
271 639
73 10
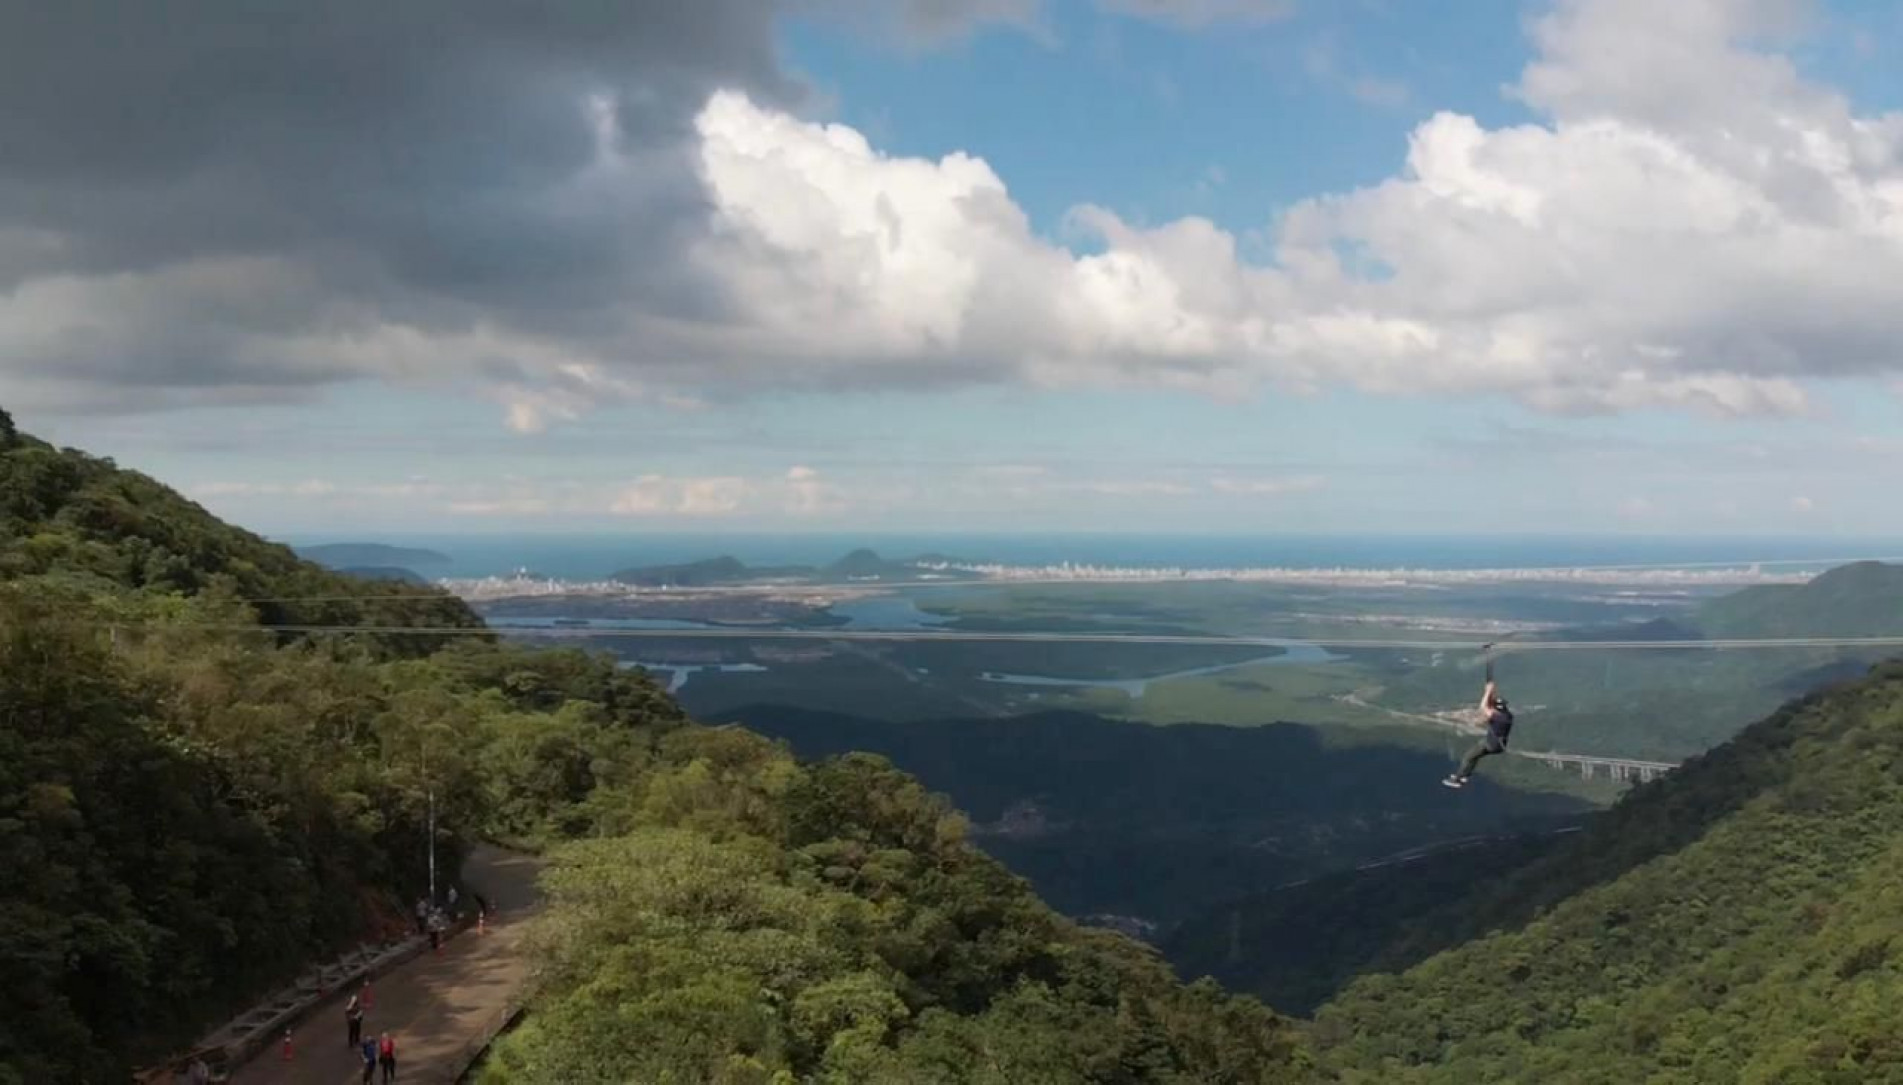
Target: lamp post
432 847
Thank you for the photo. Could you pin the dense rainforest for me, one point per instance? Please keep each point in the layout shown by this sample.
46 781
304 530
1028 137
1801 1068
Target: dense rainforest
195 801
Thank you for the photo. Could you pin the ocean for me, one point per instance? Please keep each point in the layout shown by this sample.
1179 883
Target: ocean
592 557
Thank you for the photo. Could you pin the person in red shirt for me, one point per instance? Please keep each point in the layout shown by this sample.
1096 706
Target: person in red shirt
386 1057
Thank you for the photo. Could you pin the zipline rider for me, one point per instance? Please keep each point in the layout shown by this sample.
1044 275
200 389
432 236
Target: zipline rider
1493 708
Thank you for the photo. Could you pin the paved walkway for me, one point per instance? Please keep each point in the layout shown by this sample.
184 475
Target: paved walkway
435 1006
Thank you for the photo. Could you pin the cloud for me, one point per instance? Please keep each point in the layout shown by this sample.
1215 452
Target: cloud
925 23
1323 62
347 190
1267 487
306 488
934 22
1375 90
1198 14
1135 488
1207 182
658 495
630 203
1038 483
801 491
807 494
1628 252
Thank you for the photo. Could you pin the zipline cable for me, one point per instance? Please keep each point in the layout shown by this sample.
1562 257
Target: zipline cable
974 636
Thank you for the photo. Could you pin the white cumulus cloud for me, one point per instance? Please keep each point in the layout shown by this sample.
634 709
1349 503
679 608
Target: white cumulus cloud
1689 225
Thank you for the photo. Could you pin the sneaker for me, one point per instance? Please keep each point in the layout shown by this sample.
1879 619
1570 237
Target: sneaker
1454 782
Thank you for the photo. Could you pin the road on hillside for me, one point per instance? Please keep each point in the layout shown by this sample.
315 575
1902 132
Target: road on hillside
434 1006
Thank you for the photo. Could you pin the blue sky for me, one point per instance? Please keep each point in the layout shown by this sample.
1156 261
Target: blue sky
1588 315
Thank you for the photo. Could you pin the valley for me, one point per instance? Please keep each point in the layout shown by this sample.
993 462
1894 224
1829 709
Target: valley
1145 735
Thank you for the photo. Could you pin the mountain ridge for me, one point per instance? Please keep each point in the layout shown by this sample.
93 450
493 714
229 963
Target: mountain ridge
372 555
1861 599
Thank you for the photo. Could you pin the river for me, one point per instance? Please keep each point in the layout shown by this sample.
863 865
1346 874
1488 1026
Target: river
1293 652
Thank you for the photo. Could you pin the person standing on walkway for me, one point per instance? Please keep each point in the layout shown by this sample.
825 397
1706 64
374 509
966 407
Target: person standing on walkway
353 1018
386 1057
369 1060
422 914
452 900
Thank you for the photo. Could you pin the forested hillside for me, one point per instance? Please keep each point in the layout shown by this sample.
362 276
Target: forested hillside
191 807
1735 921
80 524
743 915
1861 599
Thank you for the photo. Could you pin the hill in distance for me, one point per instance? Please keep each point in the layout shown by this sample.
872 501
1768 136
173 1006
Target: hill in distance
343 556
1862 599
860 564
705 573
386 572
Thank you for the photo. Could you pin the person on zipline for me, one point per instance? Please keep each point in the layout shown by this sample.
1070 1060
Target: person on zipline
1499 726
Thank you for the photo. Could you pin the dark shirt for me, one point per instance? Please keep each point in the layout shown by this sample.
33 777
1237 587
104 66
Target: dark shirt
1500 723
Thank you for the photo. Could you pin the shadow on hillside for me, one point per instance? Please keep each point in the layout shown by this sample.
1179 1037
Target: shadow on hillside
1296 947
1162 823
1201 829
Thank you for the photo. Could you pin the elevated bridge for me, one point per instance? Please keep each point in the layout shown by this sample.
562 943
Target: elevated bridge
1616 768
